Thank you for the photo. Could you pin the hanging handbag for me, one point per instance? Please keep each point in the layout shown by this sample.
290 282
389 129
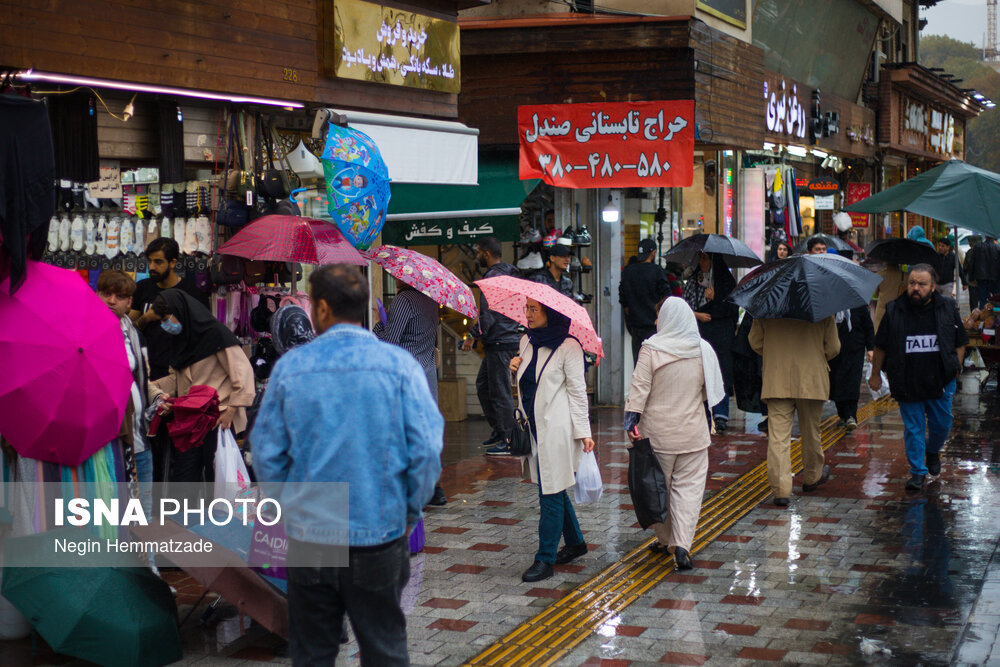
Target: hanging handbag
237 180
272 182
519 440
226 269
232 213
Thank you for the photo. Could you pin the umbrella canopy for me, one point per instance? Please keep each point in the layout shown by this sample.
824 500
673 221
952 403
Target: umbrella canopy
734 252
357 184
955 193
834 242
507 294
116 616
901 251
65 380
427 275
291 238
805 287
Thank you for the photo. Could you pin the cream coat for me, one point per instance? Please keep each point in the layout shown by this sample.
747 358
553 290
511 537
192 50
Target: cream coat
562 414
796 355
670 394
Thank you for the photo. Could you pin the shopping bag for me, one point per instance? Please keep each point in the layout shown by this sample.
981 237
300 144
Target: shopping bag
269 550
646 484
884 390
588 486
231 477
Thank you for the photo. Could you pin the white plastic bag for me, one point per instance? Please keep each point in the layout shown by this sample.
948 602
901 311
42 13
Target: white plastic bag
588 486
884 390
231 477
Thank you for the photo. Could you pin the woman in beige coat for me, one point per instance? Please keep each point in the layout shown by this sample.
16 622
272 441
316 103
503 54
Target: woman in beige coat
676 378
552 394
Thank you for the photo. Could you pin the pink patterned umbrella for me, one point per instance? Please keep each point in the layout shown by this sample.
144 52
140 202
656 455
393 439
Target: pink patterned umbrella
65 379
506 295
291 238
427 275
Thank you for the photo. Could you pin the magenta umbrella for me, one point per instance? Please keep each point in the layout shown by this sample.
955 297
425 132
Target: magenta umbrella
65 380
427 275
506 295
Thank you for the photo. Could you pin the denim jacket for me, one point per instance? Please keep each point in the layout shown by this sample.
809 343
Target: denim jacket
349 408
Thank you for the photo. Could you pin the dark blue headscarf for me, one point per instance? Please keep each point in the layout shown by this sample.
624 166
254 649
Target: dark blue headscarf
554 333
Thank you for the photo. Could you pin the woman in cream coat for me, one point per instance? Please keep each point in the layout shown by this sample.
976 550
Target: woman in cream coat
552 393
676 378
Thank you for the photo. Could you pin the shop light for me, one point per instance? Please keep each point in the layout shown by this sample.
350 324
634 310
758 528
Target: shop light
822 155
610 212
768 146
797 151
31 75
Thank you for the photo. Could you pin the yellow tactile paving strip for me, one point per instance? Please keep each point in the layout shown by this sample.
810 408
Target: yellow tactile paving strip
552 634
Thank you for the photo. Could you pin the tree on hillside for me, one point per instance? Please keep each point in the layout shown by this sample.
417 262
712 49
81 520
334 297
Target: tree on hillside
936 49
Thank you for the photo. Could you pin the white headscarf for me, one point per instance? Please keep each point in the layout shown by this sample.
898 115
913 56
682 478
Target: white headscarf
677 334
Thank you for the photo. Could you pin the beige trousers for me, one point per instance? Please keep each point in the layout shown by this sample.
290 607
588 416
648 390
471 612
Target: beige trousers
780 417
686 475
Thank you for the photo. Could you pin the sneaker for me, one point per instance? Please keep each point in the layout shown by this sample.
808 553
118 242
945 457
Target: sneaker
531 261
568 237
851 424
585 261
583 236
916 482
531 236
551 238
498 450
574 264
933 462
494 439
721 424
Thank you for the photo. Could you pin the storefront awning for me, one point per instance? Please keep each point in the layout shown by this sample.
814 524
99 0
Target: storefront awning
416 150
445 214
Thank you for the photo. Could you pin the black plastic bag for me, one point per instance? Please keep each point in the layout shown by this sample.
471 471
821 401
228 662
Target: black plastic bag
646 484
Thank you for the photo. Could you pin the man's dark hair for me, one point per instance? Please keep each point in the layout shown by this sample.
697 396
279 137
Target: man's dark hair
944 239
344 289
925 268
167 246
115 282
491 245
813 242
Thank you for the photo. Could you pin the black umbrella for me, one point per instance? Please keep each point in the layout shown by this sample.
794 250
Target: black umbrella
833 242
901 251
734 252
805 287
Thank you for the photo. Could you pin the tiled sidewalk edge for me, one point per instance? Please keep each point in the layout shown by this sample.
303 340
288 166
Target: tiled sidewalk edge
979 643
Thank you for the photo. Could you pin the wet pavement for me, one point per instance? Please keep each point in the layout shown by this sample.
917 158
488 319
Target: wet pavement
859 572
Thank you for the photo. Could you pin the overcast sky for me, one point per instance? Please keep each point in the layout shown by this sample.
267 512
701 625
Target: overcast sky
965 20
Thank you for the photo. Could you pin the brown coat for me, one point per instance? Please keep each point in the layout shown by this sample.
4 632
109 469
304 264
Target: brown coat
796 355
670 394
228 371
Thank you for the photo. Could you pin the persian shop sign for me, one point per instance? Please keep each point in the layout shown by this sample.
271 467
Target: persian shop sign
784 113
615 144
387 45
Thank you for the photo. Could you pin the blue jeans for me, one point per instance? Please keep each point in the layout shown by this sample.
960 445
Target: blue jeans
721 409
926 424
557 518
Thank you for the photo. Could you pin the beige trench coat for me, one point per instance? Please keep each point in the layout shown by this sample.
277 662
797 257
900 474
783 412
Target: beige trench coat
562 414
796 355
669 392
228 371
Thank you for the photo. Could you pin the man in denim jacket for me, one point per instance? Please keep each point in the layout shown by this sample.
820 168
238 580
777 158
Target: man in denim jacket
347 408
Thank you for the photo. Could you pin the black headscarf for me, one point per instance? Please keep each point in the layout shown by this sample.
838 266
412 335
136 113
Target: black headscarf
552 334
202 335
290 326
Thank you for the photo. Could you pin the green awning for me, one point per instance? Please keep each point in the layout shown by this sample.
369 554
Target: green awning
446 214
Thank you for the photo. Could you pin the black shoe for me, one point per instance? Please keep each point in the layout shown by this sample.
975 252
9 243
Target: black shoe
570 553
502 449
781 502
438 499
762 426
494 439
933 462
916 482
682 559
721 424
537 572
809 488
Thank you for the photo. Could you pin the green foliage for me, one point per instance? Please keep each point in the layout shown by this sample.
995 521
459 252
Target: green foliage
982 141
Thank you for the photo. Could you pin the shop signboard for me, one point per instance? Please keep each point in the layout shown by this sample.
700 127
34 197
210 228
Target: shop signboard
824 186
855 193
823 203
926 128
387 45
614 144
448 231
730 11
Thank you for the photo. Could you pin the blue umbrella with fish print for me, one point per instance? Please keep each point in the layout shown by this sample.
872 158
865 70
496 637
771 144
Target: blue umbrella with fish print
357 184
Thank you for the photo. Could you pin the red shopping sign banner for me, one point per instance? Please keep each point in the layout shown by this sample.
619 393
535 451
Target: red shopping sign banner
615 144
855 193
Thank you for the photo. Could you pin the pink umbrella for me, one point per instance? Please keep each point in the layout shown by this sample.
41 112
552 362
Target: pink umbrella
65 379
291 238
427 275
506 296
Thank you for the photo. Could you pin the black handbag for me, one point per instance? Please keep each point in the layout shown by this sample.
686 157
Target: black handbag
232 213
226 269
519 440
646 484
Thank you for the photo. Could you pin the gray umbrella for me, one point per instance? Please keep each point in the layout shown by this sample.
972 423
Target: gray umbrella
805 287
734 252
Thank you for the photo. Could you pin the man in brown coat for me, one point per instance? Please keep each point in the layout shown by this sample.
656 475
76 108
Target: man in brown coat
796 379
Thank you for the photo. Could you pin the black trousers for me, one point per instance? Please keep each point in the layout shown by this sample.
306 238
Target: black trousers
638 336
368 590
196 465
493 389
847 409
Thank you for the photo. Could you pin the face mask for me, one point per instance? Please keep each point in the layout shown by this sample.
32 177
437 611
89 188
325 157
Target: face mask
171 327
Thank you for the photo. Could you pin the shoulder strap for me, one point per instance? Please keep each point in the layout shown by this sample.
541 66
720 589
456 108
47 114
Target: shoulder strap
539 376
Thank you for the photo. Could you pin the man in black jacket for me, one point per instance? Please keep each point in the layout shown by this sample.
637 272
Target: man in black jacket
921 343
982 266
642 287
556 275
500 336
947 261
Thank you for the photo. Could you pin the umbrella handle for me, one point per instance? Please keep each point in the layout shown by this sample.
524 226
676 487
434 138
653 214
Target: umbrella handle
294 192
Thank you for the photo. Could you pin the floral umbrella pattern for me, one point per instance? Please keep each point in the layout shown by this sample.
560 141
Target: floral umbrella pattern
427 275
357 184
